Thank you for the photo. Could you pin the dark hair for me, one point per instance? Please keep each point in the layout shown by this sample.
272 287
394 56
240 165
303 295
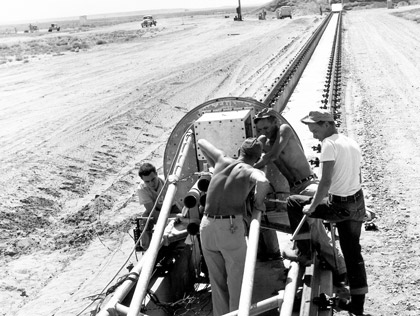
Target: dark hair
146 169
269 118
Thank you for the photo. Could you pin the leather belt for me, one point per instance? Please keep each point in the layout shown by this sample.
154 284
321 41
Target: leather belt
312 176
349 198
219 216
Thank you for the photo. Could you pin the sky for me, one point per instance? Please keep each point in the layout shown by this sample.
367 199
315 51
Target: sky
26 10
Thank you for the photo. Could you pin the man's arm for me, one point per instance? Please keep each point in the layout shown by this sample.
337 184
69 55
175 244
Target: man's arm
209 151
282 138
323 187
262 187
148 205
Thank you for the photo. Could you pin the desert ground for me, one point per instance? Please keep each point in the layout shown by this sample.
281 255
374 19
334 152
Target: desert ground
80 110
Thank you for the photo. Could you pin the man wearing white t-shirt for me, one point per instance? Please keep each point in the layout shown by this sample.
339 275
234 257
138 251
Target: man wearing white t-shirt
339 198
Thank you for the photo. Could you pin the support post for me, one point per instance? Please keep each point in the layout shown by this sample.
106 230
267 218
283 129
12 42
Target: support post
290 290
250 261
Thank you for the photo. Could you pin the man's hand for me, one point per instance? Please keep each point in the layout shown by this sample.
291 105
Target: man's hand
263 139
308 209
173 178
260 164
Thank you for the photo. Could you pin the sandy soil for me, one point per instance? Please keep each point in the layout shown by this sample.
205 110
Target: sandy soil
76 123
382 79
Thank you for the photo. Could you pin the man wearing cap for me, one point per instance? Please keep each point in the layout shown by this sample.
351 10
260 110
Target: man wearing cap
222 227
283 148
339 198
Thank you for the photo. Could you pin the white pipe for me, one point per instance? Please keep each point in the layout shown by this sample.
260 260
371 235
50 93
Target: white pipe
151 253
263 306
122 291
290 290
249 269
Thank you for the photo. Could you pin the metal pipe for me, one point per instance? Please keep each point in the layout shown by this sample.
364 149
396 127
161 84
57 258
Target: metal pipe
250 261
151 253
290 290
121 309
302 221
204 181
263 306
193 196
122 291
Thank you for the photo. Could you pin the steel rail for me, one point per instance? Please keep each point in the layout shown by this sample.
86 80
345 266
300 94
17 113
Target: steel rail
334 100
282 89
319 279
285 84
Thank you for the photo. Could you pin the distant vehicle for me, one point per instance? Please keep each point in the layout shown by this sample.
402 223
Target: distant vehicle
33 28
148 21
336 7
54 27
284 12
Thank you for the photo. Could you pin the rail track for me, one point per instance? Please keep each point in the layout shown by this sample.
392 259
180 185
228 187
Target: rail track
320 55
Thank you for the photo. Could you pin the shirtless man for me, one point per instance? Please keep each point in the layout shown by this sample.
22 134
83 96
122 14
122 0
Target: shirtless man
222 227
281 146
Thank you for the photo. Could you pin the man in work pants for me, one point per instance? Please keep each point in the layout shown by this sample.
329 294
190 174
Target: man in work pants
338 198
222 227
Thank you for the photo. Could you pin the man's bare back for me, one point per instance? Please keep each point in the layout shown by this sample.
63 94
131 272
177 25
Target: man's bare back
233 179
229 187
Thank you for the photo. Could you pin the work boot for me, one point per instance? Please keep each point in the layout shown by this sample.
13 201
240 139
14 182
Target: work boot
357 303
354 306
340 280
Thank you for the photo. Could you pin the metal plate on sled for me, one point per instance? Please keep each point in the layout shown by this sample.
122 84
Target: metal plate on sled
225 129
